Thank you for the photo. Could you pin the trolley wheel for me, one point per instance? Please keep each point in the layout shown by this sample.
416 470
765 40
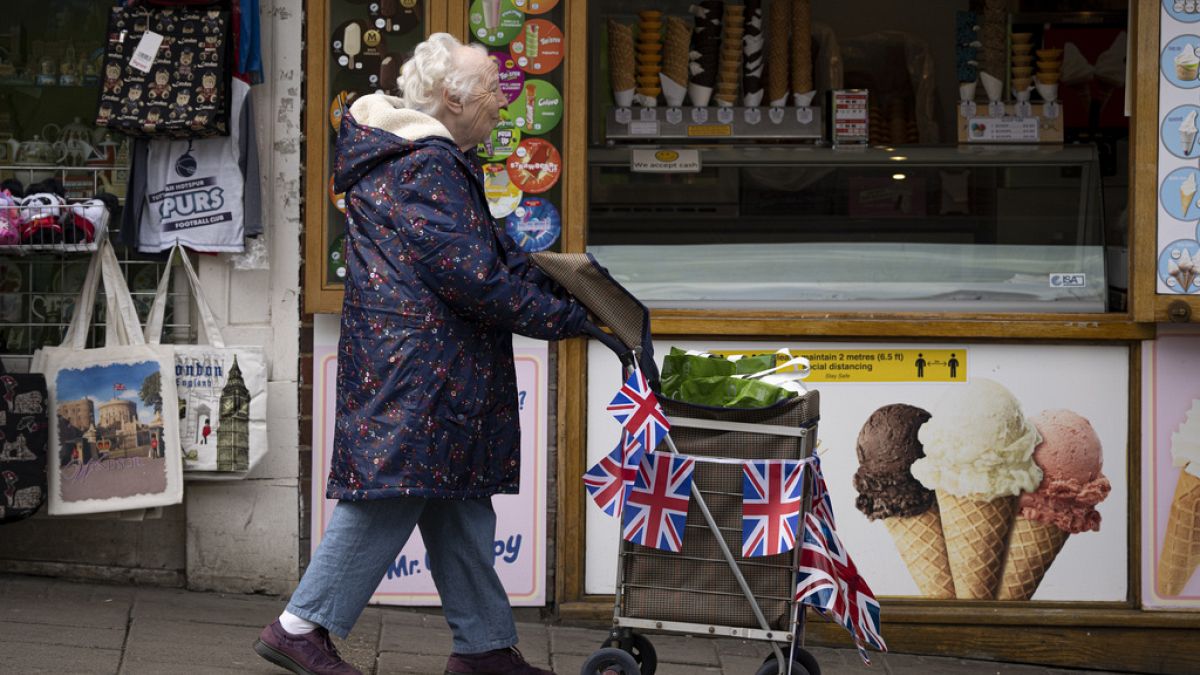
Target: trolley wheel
804 664
639 647
610 661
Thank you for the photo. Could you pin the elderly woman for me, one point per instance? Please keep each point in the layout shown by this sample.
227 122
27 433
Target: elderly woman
426 428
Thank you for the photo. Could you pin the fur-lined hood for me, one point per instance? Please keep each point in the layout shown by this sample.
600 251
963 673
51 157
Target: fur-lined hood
378 128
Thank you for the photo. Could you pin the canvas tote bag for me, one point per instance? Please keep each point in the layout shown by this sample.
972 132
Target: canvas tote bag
222 390
112 447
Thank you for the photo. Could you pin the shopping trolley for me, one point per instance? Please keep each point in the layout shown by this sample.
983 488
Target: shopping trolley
708 588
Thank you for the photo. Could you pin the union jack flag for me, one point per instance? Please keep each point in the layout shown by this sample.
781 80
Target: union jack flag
118 387
771 491
829 581
609 480
656 508
637 409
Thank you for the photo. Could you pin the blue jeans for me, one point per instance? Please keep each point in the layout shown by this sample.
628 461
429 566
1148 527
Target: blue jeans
365 537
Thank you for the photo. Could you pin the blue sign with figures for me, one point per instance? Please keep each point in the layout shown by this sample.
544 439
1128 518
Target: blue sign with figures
534 225
1187 11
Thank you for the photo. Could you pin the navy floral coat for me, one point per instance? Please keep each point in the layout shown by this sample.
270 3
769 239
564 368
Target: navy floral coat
427 397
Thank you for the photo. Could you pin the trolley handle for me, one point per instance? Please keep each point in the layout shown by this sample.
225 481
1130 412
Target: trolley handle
626 355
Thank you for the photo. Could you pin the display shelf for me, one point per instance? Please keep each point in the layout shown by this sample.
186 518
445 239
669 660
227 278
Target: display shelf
714 123
809 155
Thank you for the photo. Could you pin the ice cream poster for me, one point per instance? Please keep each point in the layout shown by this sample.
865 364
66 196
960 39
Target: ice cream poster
1171 472
1006 482
1178 244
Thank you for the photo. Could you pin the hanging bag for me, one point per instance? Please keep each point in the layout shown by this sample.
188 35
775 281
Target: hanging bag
23 436
113 444
166 72
222 390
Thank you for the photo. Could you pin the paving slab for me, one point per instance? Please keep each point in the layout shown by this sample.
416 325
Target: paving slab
169 604
29 657
685 649
361 648
185 643
580 641
427 637
423 664
67 636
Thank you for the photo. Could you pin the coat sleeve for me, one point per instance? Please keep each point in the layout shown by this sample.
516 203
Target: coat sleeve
463 268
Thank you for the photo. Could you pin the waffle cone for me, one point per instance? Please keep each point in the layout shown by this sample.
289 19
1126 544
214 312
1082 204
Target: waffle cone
923 548
1180 554
620 56
976 535
1032 547
802 79
779 25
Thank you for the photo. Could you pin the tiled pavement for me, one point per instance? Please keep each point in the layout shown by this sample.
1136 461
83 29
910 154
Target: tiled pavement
55 626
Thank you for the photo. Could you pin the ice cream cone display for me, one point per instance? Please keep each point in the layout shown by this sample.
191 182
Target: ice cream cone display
978 458
752 54
779 25
705 54
976 532
887 446
676 44
1180 553
1070 457
649 56
993 38
801 60
730 67
621 62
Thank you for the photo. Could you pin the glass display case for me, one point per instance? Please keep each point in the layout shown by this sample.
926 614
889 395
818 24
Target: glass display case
970 229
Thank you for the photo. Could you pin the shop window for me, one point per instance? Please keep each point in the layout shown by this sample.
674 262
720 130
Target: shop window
920 196
51 56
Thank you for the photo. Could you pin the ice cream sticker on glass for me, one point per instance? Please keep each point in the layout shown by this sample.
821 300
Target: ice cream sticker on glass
395 16
535 166
1186 11
1179 131
503 195
512 78
1178 194
539 47
337 258
495 22
338 199
502 141
538 109
339 106
535 6
534 225
1180 64
1179 266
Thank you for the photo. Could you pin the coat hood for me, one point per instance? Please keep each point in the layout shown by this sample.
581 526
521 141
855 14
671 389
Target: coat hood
377 129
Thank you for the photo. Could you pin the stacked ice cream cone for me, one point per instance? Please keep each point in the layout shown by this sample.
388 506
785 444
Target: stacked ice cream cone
993 32
802 67
649 56
779 25
979 449
621 68
752 53
675 59
729 70
1022 62
1071 458
1049 65
1180 553
705 54
1181 266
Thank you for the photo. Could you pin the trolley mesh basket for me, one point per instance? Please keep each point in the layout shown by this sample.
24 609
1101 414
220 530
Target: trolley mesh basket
696 585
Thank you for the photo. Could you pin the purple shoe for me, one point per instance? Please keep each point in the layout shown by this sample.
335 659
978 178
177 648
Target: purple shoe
507 661
309 654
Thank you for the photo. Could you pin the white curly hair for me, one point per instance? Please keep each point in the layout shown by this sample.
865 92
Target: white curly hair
433 69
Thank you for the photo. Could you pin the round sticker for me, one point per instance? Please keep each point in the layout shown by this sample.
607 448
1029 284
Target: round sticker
337 257
338 199
512 78
1180 62
341 103
534 225
1179 192
535 165
535 6
1179 131
538 109
501 142
495 22
1177 265
539 47
502 193
1187 11
394 17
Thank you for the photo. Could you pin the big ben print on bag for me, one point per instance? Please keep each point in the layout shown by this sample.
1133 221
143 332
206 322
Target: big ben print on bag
166 72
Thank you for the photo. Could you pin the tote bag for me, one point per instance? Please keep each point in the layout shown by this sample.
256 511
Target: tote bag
23 431
112 445
222 390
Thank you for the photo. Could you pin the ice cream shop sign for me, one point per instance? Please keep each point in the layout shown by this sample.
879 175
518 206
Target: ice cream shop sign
665 160
1000 478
